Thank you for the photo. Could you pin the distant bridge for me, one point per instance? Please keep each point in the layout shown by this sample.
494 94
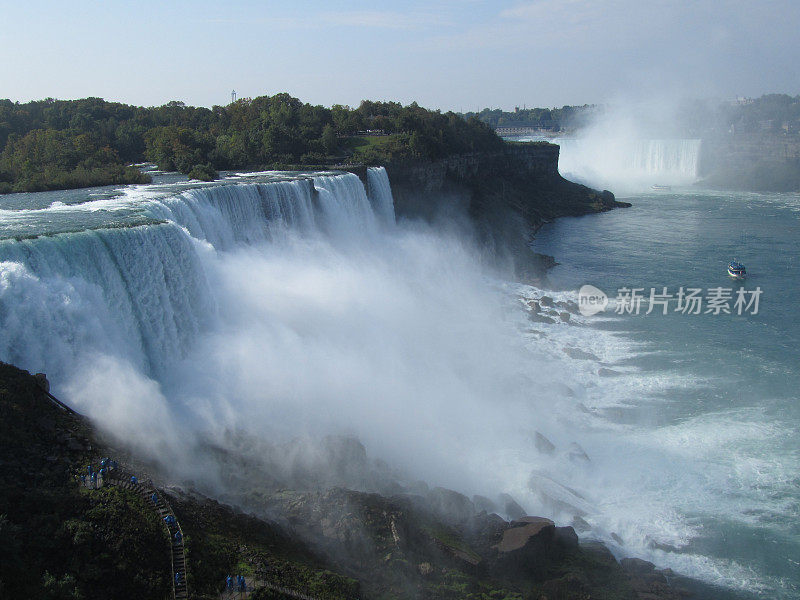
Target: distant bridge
502 131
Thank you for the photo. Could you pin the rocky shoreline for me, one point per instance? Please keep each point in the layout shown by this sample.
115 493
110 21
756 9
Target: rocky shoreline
415 543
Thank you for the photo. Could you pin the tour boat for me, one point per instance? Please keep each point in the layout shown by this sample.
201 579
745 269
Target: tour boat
736 270
660 188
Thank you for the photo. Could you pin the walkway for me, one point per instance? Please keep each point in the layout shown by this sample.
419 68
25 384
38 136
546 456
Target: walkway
180 590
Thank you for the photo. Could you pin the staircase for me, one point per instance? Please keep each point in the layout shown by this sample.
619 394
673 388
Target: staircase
180 590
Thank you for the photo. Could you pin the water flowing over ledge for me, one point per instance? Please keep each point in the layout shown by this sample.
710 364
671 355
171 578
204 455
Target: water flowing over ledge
143 290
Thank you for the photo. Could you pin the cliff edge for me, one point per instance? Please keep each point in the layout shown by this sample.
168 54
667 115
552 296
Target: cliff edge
508 194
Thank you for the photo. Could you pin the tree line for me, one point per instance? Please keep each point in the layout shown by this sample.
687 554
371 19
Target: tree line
55 144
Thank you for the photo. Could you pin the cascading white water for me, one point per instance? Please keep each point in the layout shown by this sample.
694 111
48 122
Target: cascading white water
613 162
294 309
143 291
380 194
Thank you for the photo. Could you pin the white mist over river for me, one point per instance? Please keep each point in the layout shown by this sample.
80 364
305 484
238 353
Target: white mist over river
297 308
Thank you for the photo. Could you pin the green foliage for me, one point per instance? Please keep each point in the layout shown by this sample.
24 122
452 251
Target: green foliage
556 119
53 144
221 542
45 159
56 540
203 173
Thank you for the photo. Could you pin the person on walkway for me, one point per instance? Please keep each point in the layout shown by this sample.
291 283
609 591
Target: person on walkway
178 578
178 537
154 498
229 582
89 470
94 480
134 481
242 584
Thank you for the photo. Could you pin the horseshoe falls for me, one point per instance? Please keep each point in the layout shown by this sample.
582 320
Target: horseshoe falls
274 307
628 164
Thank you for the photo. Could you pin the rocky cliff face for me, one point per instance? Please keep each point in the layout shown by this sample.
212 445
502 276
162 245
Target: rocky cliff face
507 195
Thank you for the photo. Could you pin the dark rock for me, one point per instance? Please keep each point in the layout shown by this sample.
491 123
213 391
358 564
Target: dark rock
542 444
577 454
452 506
510 507
603 372
579 354
482 503
569 305
523 530
418 488
567 537
538 318
599 552
617 539
580 524
637 566
564 316
546 301
41 379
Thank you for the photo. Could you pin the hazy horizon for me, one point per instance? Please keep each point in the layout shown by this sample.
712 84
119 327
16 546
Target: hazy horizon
461 56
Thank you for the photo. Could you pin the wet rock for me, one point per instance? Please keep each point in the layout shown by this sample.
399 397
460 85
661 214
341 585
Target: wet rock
637 566
577 454
567 537
617 539
482 503
579 354
546 301
539 318
41 380
425 569
580 524
603 372
418 488
542 444
452 506
523 530
510 507
534 306
568 305
564 316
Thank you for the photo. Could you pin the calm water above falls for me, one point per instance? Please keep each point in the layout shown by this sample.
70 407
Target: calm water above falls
710 403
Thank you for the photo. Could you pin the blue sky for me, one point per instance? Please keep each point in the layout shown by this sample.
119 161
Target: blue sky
442 53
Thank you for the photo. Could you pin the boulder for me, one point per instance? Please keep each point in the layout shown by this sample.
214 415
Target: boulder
580 524
577 454
526 548
452 506
482 503
569 305
564 316
41 379
579 354
543 445
538 318
566 537
510 507
603 372
637 566
546 301
523 530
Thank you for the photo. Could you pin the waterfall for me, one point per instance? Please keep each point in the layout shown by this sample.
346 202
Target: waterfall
143 292
380 193
621 162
